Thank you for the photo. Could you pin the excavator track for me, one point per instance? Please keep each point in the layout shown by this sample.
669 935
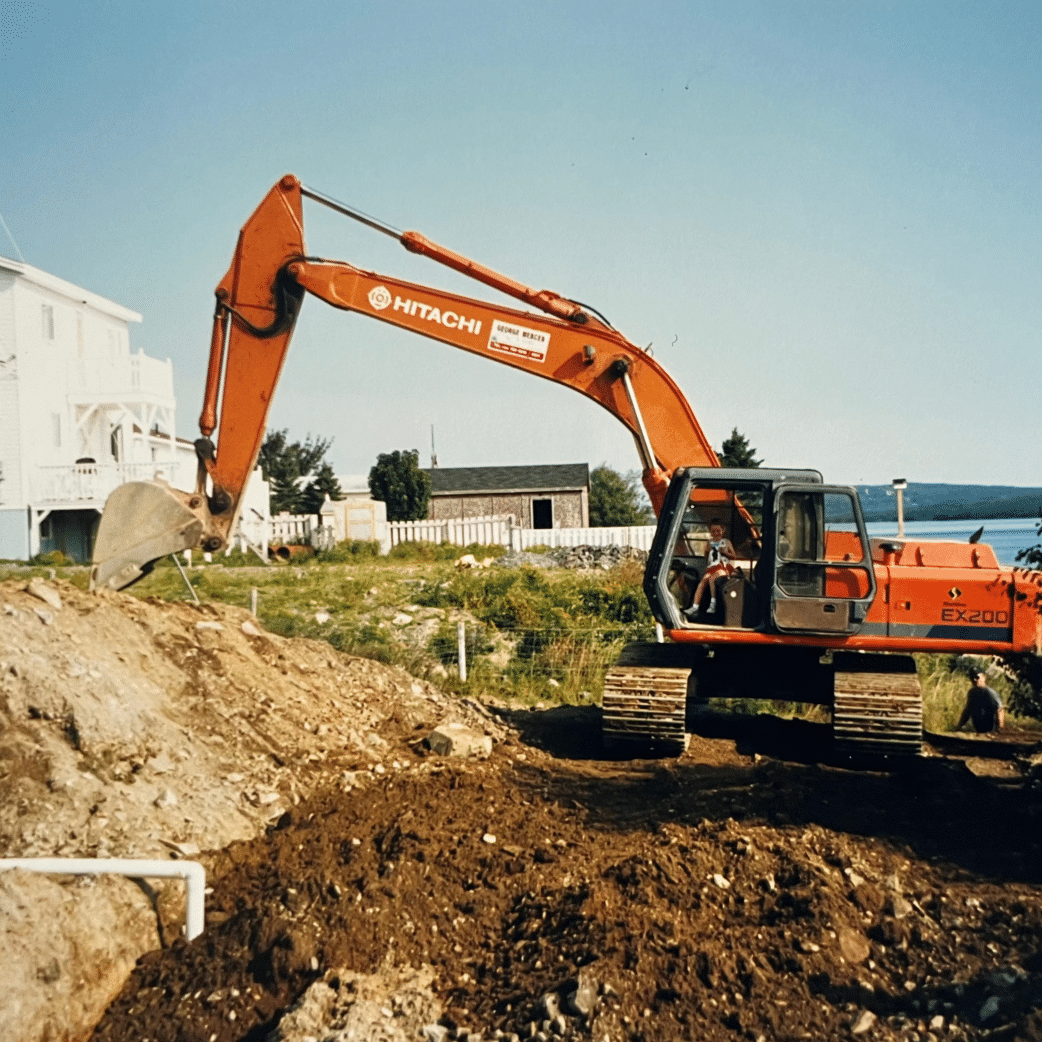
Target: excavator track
877 705
645 701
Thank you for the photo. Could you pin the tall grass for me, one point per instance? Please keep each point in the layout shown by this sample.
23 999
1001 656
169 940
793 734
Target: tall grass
532 634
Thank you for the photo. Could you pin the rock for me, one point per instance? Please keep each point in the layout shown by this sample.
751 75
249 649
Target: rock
488 838
401 619
41 591
550 1005
898 907
454 739
862 1022
250 629
853 945
50 972
989 1009
582 999
182 849
322 616
44 616
721 882
937 1023
167 798
470 561
208 625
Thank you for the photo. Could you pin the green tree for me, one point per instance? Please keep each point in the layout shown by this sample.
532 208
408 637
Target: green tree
1032 555
617 499
324 483
284 463
1025 696
737 452
397 480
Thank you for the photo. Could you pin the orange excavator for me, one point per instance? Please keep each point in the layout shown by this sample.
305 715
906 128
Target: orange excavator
764 580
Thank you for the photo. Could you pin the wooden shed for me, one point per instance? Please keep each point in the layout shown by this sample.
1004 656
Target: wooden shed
539 496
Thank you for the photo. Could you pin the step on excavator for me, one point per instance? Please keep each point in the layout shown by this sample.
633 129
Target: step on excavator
764 581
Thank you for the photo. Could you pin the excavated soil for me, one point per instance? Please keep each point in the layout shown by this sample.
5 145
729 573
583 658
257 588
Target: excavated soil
751 889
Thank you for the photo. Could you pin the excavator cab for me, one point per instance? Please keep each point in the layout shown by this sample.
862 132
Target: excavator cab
823 576
801 564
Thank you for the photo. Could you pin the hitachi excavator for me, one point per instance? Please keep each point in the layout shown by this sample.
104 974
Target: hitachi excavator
798 604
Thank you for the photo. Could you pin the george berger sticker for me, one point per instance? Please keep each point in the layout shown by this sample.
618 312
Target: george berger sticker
510 339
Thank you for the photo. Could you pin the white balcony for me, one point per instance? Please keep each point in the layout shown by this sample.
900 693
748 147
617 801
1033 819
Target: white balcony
135 377
89 484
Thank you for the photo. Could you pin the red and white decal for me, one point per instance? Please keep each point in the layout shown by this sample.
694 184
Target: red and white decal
511 339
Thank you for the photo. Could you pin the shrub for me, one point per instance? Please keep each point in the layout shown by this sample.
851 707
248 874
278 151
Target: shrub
53 559
349 551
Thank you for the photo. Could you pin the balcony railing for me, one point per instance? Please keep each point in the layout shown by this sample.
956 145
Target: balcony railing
123 379
89 484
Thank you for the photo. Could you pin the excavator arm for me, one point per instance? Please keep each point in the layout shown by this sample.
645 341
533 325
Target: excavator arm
258 301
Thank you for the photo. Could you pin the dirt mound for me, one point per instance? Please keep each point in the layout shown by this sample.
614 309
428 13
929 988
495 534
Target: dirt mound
716 898
154 730
363 888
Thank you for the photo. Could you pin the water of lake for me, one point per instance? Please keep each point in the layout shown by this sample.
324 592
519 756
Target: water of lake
1006 536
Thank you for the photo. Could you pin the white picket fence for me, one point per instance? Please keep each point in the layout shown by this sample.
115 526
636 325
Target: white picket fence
496 529
638 536
493 528
501 530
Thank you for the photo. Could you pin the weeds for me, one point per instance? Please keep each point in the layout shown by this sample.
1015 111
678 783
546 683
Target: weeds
531 634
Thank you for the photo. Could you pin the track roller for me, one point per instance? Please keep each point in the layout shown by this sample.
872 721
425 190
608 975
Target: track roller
645 703
877 705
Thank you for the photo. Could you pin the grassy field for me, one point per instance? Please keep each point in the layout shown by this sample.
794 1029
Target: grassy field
531 634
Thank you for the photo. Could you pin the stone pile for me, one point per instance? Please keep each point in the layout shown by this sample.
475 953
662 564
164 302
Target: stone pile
579 557
597 556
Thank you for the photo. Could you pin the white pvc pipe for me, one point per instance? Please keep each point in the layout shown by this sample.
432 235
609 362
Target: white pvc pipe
191 872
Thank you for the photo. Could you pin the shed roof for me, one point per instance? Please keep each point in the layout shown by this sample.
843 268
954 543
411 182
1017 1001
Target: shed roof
545 477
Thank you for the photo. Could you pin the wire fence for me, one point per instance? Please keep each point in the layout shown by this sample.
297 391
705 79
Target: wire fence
567 663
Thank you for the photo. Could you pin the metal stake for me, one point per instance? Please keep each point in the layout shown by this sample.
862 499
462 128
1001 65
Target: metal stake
185 577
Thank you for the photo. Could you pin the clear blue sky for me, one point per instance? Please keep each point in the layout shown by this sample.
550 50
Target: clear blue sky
823 215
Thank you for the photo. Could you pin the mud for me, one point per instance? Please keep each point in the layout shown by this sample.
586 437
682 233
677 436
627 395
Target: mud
725 895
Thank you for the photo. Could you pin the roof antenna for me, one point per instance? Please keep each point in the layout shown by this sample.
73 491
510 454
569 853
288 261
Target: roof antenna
11 237
434 455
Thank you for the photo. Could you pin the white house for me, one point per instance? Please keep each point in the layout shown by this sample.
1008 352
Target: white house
80 413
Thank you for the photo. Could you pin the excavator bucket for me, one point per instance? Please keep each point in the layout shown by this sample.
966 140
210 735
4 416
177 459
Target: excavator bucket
142 522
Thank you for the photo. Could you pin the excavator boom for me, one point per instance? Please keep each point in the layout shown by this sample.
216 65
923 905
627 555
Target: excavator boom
257 303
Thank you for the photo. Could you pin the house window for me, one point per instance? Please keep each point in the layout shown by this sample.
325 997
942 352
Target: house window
48 322
542 513
56 428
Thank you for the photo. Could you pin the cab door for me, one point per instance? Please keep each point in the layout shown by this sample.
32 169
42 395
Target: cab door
823 576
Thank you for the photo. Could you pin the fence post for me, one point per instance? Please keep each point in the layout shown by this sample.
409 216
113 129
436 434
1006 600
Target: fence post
253 602
461 642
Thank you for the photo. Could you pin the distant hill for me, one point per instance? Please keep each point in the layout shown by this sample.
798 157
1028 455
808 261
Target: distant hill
937 502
